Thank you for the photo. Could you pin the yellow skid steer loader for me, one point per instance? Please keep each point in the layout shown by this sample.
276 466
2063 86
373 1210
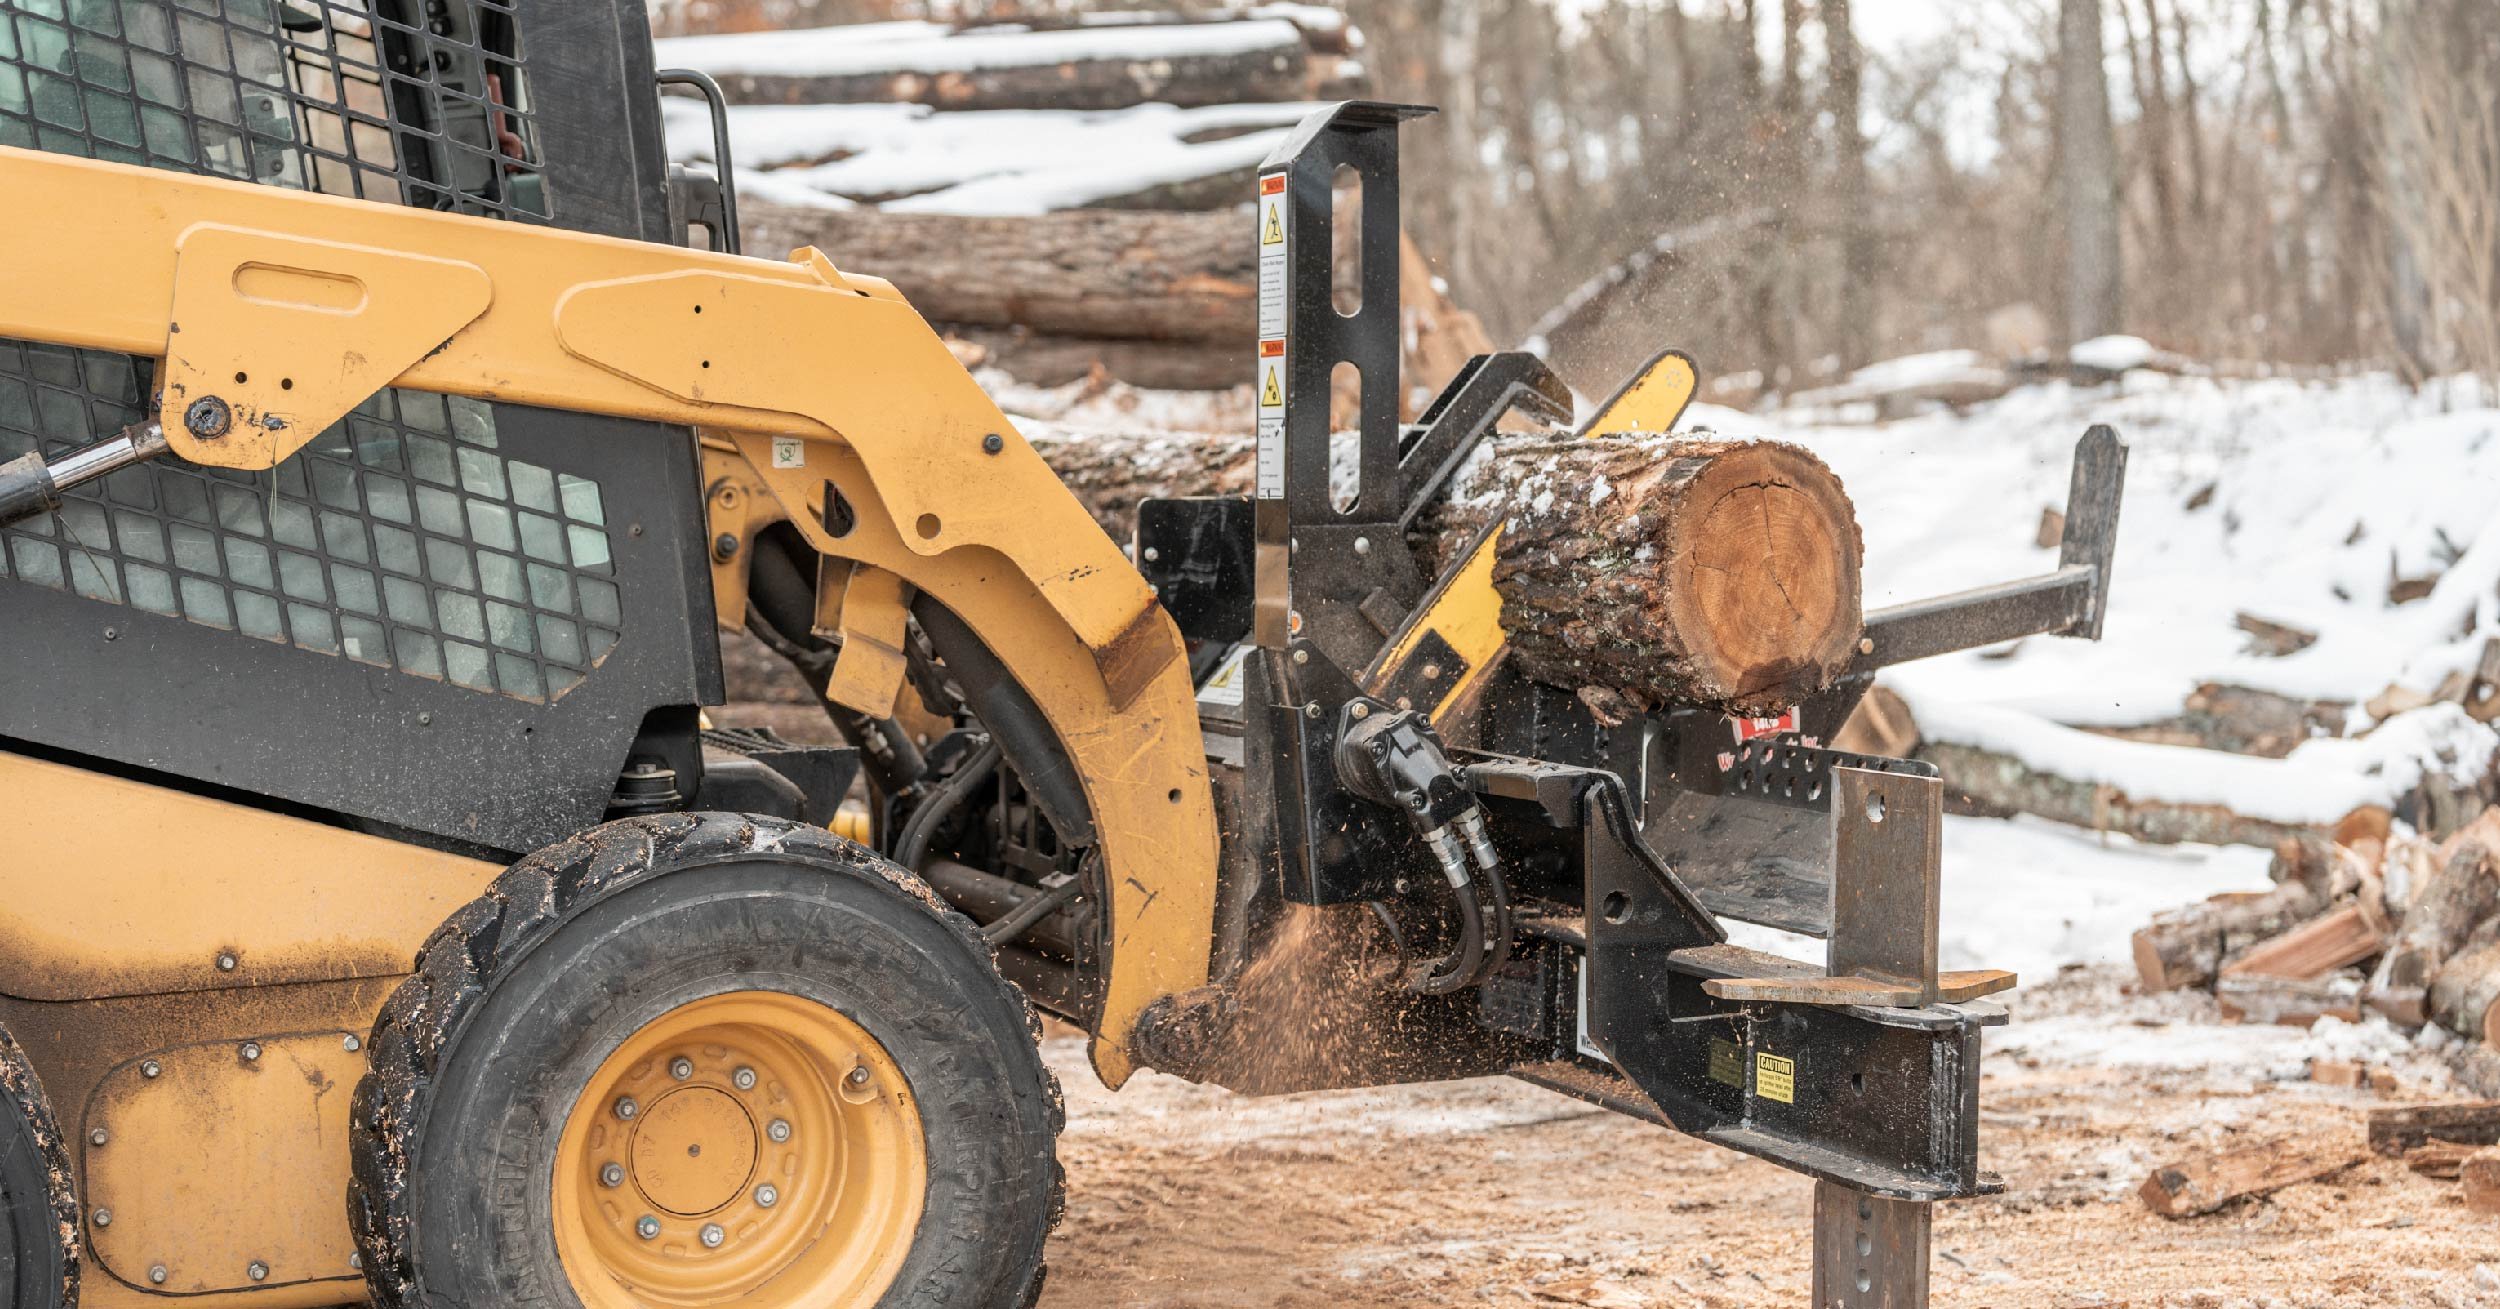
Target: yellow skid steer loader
382 923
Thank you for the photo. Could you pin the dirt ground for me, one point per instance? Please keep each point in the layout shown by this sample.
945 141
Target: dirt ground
1186 1197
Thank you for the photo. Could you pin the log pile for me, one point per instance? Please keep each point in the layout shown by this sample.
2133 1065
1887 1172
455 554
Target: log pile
2371 919
1140 275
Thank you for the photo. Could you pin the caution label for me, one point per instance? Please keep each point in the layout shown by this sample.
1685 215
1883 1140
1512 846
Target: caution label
1224 686
1727 1064
1775 1078
1274 244
1275 239
789 452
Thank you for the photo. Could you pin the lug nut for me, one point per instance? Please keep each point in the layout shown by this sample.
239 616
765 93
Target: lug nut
778 1129
612 1175
743 1079
350 1044
258 1272
681 1068
99 1136
625 1106
647 1227
226 963
251 1052
150 1068
859 1075
767 1195
103 1217
157 1274
713 1236
356 1261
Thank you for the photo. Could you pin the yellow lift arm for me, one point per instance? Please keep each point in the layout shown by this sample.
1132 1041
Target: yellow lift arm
276 312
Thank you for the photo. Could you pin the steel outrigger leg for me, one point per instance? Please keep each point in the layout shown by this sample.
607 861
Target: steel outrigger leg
1871 1251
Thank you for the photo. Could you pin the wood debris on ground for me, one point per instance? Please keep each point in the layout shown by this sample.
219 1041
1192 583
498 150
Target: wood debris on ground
2189 1187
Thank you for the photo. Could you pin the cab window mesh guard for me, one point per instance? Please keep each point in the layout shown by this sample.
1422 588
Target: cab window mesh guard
418 102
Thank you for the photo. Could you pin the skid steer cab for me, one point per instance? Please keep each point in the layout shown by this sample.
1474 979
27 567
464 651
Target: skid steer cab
378 465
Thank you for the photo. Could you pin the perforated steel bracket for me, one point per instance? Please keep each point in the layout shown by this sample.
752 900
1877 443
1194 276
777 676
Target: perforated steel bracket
1870 1251
273 338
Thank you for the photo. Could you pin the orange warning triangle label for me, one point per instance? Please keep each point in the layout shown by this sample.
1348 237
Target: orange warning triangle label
1272 390
1272 232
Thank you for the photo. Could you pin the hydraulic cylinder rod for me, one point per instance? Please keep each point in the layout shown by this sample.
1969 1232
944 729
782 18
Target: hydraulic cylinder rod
30 486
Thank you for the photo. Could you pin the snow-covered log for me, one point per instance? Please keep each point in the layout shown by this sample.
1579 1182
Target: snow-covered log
1187 277
1079 68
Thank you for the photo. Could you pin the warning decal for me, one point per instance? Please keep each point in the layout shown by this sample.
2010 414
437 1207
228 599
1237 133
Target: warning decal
1274 243
1224 687
789 452
1275 232
1727 1066
1775 1078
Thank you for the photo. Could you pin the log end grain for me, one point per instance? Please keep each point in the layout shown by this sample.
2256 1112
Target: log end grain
1646 570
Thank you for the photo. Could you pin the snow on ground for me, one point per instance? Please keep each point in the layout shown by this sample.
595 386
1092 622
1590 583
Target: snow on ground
2032 896
2293 501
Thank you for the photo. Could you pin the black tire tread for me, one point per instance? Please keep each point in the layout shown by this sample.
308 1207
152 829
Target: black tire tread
461 962
24 1090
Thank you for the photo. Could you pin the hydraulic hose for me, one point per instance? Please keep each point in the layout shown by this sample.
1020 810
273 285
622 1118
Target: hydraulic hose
943 799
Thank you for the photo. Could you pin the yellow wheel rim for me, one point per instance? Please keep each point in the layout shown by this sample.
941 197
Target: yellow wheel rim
752 1148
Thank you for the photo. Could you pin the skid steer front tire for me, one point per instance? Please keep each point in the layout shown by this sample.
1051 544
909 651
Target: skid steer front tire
705 1059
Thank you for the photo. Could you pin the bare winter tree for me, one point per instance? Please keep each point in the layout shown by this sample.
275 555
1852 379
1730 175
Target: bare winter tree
2095 290
1853 193
2437 128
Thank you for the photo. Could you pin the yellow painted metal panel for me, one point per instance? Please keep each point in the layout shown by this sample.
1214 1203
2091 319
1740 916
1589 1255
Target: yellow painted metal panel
120 888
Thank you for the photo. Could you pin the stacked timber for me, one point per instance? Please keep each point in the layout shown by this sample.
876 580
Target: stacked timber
2370 920
1065 194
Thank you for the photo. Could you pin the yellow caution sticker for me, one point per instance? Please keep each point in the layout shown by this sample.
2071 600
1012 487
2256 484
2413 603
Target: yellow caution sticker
1775 1078
1272 387
1727 1063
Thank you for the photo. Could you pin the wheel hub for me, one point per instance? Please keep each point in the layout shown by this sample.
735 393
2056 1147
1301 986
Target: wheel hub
694 1151
772 1158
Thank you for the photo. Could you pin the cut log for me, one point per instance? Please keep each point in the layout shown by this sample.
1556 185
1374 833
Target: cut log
1039 359
2273 640
1880 725
2186 947
2463 992
1639 570
2478 1181
2287 1002
2462 895
1188 65
2200 1186
2439 1159
1111 474
2398 1128
2336 939
1104 274
1990 779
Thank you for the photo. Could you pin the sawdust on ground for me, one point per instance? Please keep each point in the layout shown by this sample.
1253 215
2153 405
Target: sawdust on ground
1186 1197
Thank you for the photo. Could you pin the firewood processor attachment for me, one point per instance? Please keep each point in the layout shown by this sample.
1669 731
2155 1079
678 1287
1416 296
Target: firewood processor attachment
1550 885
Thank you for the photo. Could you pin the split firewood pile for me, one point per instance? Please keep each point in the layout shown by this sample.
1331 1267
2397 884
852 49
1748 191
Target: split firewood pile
2373 921
2369 920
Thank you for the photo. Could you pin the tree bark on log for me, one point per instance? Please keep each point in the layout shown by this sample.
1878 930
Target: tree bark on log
2186 947
1267 66
2462 896
1112 474
1109 274
2465 995
1643 569
2001 781
2200 1186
